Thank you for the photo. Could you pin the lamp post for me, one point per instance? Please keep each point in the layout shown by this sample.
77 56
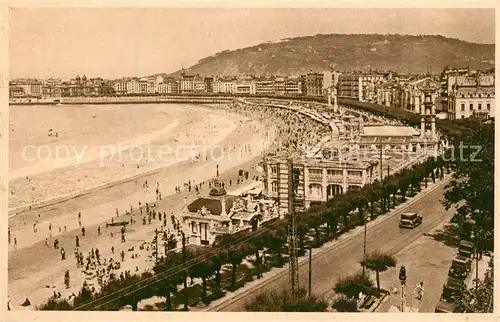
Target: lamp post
185 268
364 242
402 279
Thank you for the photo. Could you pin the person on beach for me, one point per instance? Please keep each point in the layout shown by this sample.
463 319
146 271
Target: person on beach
34 227
83 231
50 229
112 249
8 232
65 228
63 254
77 241
122 254
98 230
15 243
116 212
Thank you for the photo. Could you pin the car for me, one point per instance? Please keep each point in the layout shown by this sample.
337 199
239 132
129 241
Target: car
466 248
460 267
450 288
410 220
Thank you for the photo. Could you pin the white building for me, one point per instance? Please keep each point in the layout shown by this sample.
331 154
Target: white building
224 85
467 102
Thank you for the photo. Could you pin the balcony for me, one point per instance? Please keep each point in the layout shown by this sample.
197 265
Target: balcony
354 179
315 178
335 179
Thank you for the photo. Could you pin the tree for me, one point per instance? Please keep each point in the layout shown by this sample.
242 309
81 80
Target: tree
275 240
352 285
218 261
472 187
378 262
285 302
344 304
203 270
314 223
235 256
168 285
404 183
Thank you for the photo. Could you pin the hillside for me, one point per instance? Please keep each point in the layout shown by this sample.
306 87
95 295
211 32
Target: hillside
401 53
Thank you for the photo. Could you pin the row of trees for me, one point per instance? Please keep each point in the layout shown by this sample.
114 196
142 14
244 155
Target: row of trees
337 216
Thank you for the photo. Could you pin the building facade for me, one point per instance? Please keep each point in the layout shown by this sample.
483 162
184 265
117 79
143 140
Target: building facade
312 84
471 103
318 180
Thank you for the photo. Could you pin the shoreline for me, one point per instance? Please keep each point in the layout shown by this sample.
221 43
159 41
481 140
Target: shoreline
20 209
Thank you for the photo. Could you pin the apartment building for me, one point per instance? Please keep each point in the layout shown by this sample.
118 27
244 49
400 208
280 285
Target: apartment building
26 87
244 87
471 102
360 86
187 83
264 86
209 84
120 87
350 86
224 85
312 84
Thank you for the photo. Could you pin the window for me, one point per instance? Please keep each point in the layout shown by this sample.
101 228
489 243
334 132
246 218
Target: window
335 172
471 106
273 169
488 106
463 116
463 107
354 173
479 106
193 226
274 186
315 171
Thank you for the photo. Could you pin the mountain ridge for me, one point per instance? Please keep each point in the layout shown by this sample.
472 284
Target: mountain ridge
361 52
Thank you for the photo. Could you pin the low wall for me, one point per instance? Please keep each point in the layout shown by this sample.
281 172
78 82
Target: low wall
125 100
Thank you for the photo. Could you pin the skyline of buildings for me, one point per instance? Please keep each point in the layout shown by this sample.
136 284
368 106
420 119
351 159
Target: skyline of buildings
459 92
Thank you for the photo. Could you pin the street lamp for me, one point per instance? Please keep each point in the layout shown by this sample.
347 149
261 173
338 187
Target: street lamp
402 278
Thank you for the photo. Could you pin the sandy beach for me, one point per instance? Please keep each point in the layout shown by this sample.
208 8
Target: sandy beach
28 278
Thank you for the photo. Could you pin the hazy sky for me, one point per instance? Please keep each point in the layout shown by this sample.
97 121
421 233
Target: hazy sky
116 42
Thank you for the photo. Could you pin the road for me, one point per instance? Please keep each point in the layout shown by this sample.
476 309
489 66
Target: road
333 262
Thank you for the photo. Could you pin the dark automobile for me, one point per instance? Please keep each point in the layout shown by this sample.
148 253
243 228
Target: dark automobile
466 248
410 220
460 267
444 307
450 288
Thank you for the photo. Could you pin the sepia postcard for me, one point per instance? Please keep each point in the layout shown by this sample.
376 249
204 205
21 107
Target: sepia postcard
248 157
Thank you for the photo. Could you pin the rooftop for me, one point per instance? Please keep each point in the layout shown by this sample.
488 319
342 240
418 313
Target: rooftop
214 205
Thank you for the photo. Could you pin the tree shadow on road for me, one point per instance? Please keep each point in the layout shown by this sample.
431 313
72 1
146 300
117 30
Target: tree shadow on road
448 235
